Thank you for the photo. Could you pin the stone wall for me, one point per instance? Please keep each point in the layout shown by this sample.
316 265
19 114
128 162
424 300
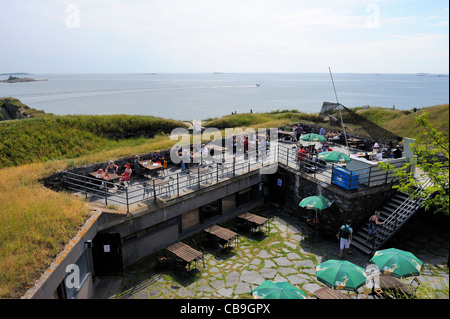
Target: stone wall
354 205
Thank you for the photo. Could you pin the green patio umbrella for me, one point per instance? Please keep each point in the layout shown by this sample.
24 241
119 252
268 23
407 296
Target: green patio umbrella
277 290
341 274
333 157
312 137
315 202
397 263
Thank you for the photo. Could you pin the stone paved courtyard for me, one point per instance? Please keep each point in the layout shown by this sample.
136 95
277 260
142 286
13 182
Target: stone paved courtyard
285 254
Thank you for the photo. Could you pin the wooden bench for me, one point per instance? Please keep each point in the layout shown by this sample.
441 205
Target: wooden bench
328 293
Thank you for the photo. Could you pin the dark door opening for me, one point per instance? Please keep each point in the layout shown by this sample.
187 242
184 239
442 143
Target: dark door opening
107 254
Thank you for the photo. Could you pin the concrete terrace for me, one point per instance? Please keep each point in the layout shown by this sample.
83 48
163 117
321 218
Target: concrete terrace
179 183
287 253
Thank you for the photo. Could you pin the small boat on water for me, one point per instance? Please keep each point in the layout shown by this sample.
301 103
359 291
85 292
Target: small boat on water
257 84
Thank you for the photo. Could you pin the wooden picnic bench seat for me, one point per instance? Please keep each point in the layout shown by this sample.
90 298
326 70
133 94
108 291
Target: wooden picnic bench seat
328 293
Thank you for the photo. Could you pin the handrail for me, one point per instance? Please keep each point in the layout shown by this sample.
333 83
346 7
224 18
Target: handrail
399 216
217 171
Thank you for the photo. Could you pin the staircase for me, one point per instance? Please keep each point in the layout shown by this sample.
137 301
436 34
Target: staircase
395 213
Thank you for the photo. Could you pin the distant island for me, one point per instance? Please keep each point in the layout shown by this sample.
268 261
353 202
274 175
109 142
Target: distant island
14 79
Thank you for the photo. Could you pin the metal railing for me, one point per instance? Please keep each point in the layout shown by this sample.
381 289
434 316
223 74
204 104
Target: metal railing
400 216
169 185
320 170
205 175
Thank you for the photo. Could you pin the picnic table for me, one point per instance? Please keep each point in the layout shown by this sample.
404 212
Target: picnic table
224 235
255 221
392 285
328 293
153 184
355 142
286 134
111 177
186 253
152 167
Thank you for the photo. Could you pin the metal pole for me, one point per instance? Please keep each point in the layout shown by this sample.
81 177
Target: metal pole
126 194
154 191
178 184
340 114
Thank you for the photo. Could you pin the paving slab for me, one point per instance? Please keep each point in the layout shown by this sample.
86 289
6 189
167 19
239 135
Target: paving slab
252 277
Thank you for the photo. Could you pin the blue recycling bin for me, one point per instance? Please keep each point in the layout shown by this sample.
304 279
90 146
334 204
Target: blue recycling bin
345 178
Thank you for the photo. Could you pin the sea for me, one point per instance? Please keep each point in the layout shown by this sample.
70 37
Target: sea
201 96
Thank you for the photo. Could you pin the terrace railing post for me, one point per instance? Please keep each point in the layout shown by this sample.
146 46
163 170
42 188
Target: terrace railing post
126 194
234 166
332 173
198 177
104 192
217 172
370 174
287 157
178 184
154 191
85 190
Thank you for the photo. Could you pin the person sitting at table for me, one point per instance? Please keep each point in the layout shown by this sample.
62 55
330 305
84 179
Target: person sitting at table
328 148
301 154
157 157
397 153
111 168
100 177
137 165
100 174
337 136
375 148
126 175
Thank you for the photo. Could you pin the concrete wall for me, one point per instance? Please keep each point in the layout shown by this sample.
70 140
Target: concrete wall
141 219
357 206
46 285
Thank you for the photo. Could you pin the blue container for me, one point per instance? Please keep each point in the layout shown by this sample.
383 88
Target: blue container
345 178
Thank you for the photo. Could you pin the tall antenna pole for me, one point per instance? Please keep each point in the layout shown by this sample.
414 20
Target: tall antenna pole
343 127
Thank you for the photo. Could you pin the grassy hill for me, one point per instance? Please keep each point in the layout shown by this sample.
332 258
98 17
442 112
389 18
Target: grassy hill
36 223
60 137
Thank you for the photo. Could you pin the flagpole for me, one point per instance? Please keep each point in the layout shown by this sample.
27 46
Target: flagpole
343 127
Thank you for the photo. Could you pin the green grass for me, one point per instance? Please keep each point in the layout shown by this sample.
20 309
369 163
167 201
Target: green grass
64 137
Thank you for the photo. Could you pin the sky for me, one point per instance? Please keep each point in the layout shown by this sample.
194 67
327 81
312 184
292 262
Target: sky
171 36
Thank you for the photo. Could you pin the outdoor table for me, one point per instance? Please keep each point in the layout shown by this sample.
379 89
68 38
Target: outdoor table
286 134
111 177
152 167
389 283
328 293
255 220
223 234
185 252
153 184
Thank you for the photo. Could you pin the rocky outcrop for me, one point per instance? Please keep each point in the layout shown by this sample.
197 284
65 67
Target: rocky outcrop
13 109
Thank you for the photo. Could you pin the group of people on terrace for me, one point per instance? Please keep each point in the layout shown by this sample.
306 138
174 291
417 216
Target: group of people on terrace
208 154
113 169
